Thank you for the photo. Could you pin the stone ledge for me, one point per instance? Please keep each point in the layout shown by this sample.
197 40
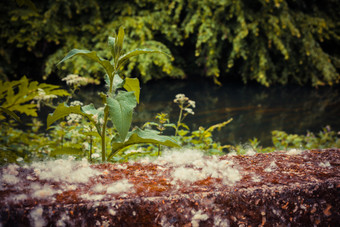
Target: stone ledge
301 189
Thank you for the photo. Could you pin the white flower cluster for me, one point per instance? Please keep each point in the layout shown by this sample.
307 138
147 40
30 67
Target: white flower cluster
185 103
73 118
43 96
88 128
73 79
76 103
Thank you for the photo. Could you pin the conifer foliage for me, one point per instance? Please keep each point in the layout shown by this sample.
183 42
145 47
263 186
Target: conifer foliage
268 41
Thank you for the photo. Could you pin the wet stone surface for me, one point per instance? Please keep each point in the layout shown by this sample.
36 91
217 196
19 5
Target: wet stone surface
180 188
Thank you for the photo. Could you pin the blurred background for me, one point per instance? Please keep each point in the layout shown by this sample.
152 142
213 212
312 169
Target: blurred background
268 64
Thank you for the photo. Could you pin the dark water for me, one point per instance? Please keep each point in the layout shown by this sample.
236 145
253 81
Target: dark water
256 110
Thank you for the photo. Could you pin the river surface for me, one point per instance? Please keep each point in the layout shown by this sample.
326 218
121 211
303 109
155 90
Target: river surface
256 110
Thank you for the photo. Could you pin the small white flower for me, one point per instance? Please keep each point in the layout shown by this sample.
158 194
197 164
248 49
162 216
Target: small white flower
76 103
88 128
95 155
189 111
42 96
180 98
73 118
192 103
73 79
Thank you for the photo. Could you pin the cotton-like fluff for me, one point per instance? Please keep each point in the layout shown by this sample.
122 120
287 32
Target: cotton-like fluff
121 186
99 188
36 217
43 192
186 175
192 165
271 167
325 164
64 171
294 152
9 179
9 175
198 217
11 169
180 157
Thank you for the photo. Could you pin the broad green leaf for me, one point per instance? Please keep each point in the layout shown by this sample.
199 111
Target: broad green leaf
119 44
53 90
118 82
10 113
121 110
30 109
132 84
66 151
63 110
139 136
92 55
90 109
19 95
111 43
123 59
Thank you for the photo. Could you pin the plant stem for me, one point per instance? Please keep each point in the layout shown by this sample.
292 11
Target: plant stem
91 141
103 135
106 116
179 120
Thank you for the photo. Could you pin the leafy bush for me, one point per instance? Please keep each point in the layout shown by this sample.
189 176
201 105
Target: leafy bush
326 138
19 98
268 41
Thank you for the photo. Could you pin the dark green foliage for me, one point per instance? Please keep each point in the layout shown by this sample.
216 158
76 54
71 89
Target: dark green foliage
24 97
268 41
326 138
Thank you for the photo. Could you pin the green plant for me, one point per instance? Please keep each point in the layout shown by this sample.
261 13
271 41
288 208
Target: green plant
25 97
118 103
326 138
201 139
19 98
161 125
184 104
